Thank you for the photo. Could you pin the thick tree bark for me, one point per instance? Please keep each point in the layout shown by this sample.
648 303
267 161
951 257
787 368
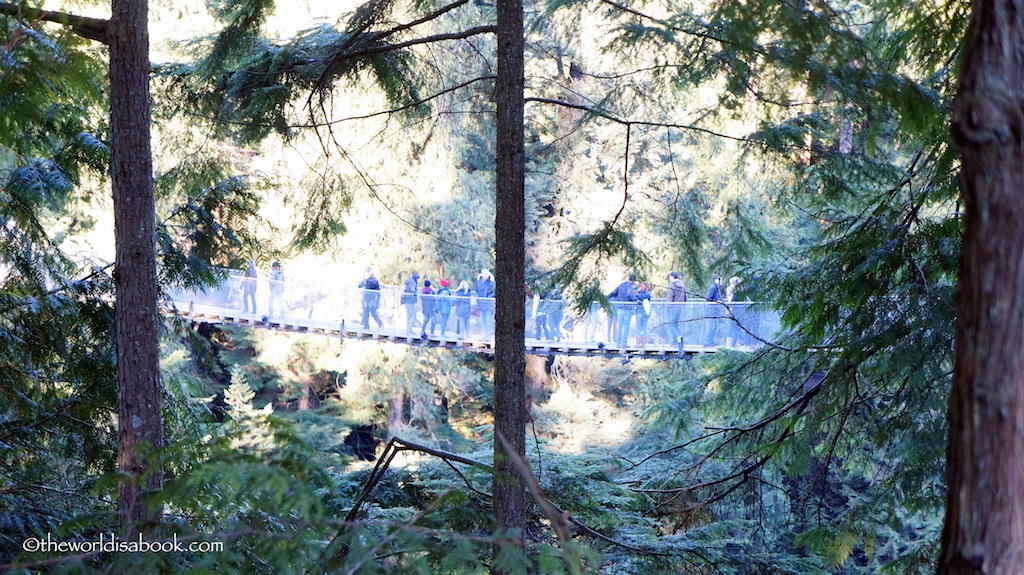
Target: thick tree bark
510 311
984 527
140 429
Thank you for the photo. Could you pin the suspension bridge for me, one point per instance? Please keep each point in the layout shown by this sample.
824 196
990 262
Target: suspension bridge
659 330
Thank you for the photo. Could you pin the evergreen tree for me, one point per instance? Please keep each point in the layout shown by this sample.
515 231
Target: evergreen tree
509 335
140 424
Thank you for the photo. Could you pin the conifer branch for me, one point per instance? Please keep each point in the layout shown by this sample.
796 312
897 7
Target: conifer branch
427 18
552 510
641 15
401 108
797 406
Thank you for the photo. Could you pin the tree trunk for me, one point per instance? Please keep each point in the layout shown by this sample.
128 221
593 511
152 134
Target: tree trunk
510 310
535 378
984 527
140 429
396 410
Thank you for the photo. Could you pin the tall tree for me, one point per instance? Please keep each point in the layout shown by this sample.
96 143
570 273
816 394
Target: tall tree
140 428
985 457
510 253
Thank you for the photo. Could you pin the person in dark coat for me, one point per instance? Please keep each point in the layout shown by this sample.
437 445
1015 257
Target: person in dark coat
249 287
485 301
428 303
714 297
371 299
409 302
444 304
463 309
715 291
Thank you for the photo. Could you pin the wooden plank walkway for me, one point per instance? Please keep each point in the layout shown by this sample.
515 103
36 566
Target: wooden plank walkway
352 330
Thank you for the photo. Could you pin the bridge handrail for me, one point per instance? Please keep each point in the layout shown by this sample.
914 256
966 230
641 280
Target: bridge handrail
625 324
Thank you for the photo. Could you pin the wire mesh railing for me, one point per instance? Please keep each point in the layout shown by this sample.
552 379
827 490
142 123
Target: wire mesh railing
392 312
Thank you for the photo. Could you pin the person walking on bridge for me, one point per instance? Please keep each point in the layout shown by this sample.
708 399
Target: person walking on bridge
555 308
623 297
714 299
732 330
463 309
276 289
675 298
249 287
371 299
444 304
409 302
485 301
428 303
643 314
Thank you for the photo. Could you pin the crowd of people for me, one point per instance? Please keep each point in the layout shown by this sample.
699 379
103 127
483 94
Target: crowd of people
439 305
629 314
438 308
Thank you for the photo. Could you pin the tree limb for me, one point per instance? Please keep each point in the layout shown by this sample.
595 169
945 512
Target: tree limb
381 48
625 122
90 28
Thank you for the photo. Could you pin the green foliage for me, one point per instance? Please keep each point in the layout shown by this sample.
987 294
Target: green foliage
51 87
56 353
249 424
208 232
591 253
243 22
326 200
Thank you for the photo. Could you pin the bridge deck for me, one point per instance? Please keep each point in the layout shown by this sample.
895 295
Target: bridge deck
213 315
660 330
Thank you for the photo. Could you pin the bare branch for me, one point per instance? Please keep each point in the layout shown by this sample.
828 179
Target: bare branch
90 28
427 18
403 108
598 112
381 48
557 516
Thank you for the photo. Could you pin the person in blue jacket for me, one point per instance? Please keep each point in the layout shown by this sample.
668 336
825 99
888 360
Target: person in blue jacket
623 297
714 298
485 301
